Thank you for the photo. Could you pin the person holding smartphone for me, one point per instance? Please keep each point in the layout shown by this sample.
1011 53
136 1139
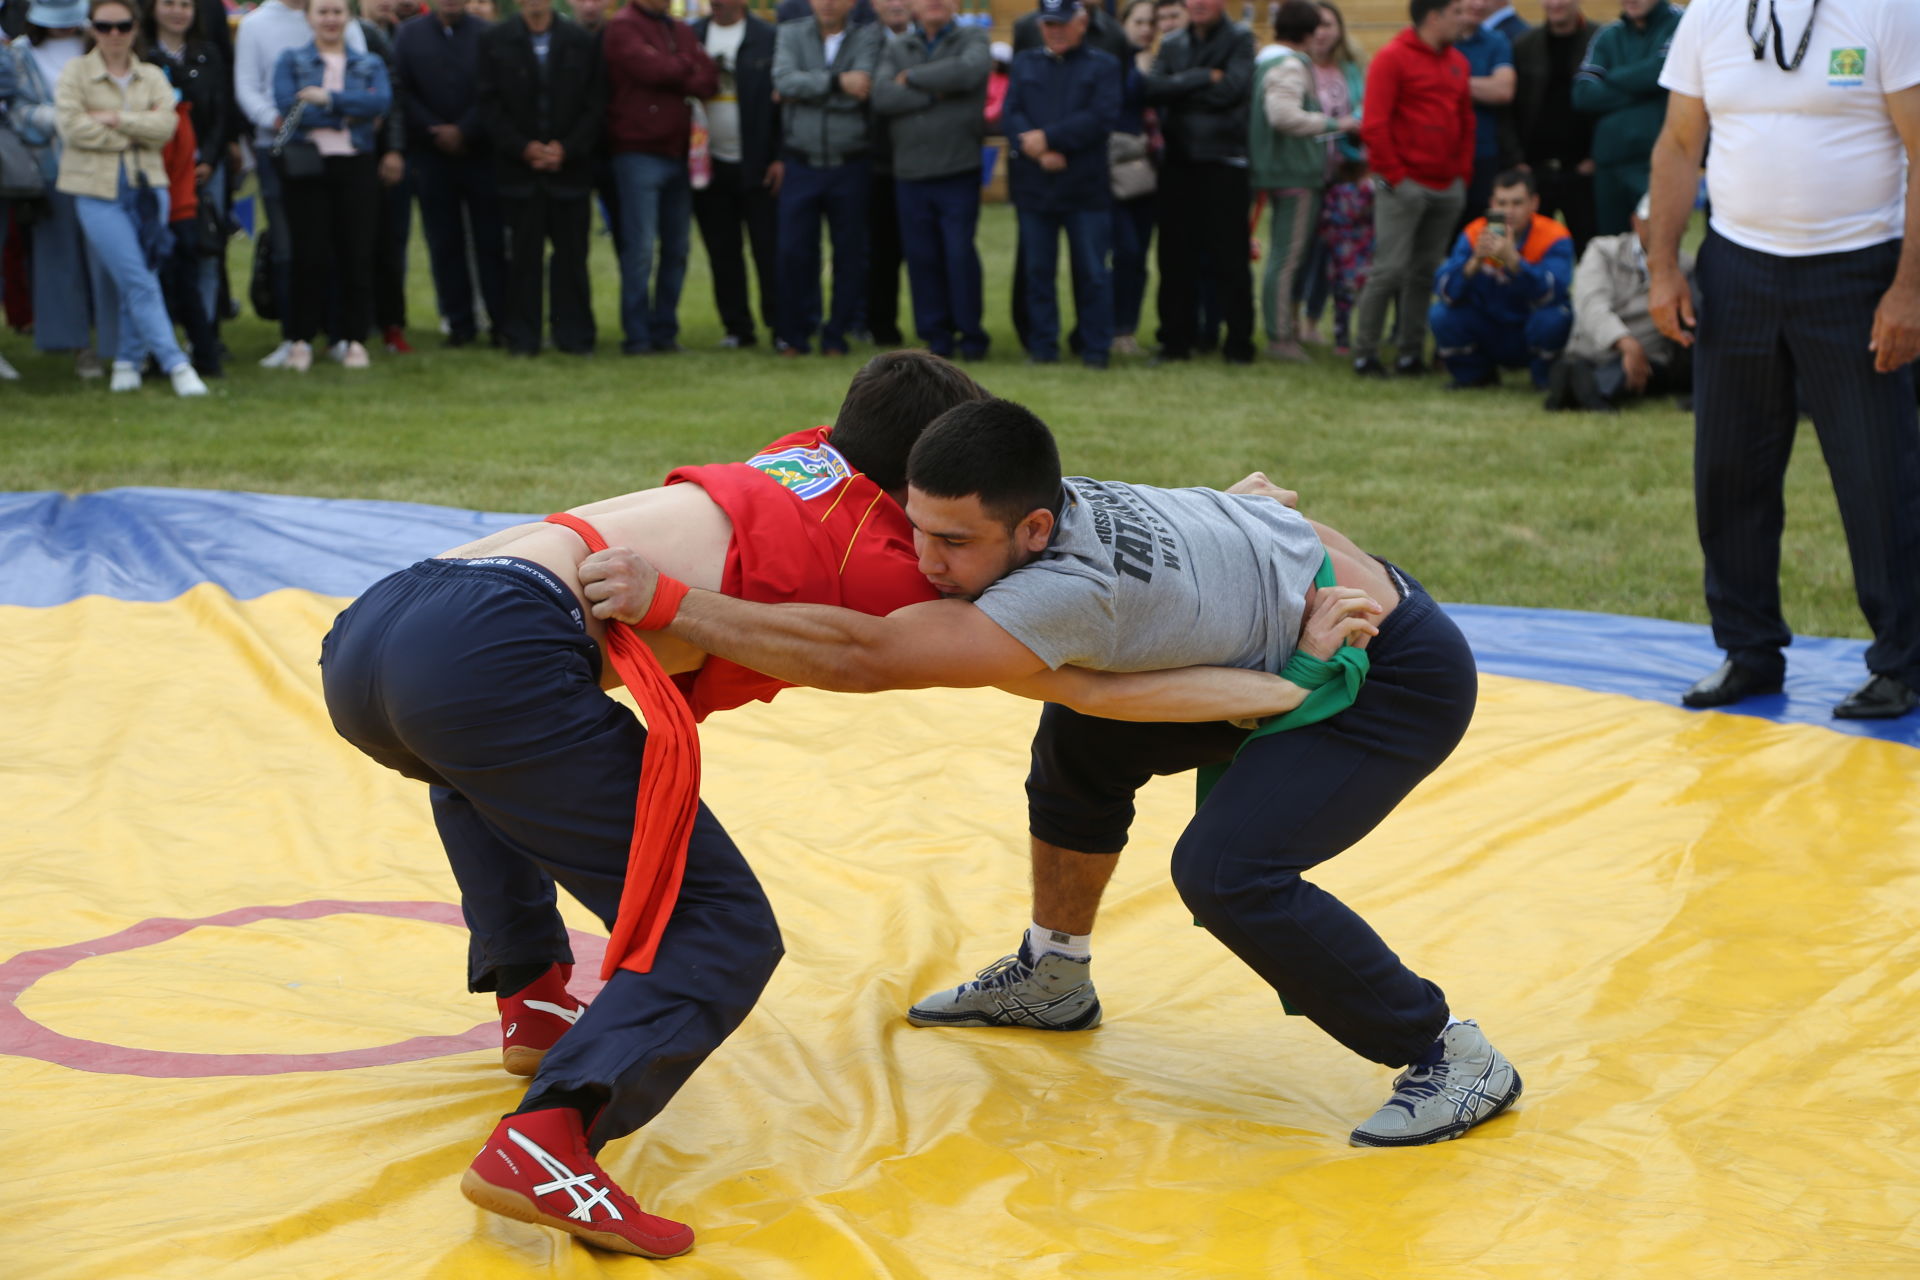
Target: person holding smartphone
1503 294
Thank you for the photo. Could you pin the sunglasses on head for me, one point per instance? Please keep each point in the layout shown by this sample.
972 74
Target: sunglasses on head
113 28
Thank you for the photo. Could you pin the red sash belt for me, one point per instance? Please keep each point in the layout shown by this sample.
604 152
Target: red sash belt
668 798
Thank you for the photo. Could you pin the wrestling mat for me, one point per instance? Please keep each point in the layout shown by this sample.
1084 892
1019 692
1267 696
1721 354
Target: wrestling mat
234 1040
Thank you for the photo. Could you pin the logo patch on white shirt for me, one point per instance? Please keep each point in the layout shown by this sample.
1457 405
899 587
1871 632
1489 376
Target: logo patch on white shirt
1846 68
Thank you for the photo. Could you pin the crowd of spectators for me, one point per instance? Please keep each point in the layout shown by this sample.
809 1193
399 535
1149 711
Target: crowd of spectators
1424 183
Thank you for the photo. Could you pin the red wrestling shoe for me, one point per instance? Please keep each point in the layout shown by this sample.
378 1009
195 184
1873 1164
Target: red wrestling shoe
534 1017
535 1168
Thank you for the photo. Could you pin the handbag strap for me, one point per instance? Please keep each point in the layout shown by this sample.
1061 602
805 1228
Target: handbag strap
287 126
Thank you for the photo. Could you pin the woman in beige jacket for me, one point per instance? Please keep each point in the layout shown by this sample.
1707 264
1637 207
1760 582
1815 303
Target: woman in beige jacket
115 113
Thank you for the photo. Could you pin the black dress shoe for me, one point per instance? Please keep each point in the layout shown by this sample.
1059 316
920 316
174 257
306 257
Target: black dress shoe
1881 698
1369 367
1409 367
1730 682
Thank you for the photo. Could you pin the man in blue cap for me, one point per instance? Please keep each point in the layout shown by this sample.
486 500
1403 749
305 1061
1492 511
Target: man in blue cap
1061 103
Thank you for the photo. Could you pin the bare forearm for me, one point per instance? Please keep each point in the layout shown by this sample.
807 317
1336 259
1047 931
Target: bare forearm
1907 275
1189 695
1674 177
804 644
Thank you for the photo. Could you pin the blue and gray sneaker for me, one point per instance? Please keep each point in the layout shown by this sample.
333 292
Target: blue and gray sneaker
1454 1086
1052 993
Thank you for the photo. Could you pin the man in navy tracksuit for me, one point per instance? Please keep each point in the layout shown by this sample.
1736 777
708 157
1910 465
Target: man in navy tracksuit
1061 104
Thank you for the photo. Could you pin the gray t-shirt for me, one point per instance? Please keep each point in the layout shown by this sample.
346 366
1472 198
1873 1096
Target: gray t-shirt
1140 579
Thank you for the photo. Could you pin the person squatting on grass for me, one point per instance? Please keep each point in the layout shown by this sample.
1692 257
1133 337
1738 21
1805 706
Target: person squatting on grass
499 633
1042 575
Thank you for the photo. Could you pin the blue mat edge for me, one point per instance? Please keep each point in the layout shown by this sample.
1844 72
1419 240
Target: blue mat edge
152 544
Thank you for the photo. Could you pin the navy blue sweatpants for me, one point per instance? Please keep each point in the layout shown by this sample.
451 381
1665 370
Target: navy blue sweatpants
479 679
1289 802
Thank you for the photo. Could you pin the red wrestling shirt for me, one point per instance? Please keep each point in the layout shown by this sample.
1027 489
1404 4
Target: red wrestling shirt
807 529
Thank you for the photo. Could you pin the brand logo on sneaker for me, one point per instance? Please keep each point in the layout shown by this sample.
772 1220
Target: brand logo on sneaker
509 1159
570 1016
580 1186
511 1028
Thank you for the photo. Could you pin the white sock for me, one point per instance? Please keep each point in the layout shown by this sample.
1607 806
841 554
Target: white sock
1076 946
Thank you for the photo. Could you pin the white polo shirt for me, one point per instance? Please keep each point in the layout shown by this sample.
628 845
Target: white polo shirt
1804 162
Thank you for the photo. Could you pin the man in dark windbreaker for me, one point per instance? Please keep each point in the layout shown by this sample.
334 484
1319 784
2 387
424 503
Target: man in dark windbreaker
1061 103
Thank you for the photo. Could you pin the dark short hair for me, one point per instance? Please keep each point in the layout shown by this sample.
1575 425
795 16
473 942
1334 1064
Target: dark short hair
995 450
889 403
1295 20
1419 9
1517 178
1169 4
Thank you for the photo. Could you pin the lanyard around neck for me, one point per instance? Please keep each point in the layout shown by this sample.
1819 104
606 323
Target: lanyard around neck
1779 46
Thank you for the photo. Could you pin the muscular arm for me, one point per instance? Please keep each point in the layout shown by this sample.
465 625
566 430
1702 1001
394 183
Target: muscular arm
950 644
1896 322
1675 177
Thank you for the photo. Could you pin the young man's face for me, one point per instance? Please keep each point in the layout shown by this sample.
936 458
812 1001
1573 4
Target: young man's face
964 548
1516 204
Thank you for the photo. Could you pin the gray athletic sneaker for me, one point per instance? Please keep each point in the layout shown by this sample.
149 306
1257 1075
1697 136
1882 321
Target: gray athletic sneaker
1053 993
1458 1083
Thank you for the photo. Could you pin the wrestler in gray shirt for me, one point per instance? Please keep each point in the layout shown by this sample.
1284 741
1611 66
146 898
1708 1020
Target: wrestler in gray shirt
1141 579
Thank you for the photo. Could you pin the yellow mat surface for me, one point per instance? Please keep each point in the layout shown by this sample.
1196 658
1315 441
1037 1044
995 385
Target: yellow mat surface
1696 937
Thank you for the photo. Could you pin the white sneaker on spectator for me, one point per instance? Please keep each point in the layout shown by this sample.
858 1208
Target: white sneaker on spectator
7 372
337 353
87 364
186 382
276 358
299 357
126 376
354 356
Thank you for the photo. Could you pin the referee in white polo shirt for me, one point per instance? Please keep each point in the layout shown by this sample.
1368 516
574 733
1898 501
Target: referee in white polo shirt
1814 107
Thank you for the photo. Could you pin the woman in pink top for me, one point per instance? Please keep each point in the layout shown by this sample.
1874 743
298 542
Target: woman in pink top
340 95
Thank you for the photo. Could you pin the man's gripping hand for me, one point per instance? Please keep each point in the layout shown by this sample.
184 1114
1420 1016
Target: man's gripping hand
619 584
1259 486
1338 616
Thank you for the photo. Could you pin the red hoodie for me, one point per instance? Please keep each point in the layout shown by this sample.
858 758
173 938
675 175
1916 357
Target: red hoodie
654 65
1418 117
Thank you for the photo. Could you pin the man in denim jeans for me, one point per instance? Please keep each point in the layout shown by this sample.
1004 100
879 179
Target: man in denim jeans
823 71
654 64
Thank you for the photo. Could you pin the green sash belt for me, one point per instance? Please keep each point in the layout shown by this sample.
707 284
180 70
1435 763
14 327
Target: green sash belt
1333 684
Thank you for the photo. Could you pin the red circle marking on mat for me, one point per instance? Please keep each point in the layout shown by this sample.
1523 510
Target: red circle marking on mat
21 1036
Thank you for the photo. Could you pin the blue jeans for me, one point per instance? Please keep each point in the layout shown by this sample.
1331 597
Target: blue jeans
207 276
1472 343
279 239
840 193
113 233
1089 233
938 217
1132 233
656 201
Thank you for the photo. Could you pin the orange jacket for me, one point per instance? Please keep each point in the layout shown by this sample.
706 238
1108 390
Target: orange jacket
184 199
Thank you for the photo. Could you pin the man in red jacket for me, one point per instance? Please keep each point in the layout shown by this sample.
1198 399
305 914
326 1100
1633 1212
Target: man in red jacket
654 65
1418 128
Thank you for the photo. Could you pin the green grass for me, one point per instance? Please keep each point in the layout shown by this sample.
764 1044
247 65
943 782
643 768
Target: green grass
1483 495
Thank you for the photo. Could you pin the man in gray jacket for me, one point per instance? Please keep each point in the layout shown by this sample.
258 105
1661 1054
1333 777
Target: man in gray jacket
823 71
1617 352
932 87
